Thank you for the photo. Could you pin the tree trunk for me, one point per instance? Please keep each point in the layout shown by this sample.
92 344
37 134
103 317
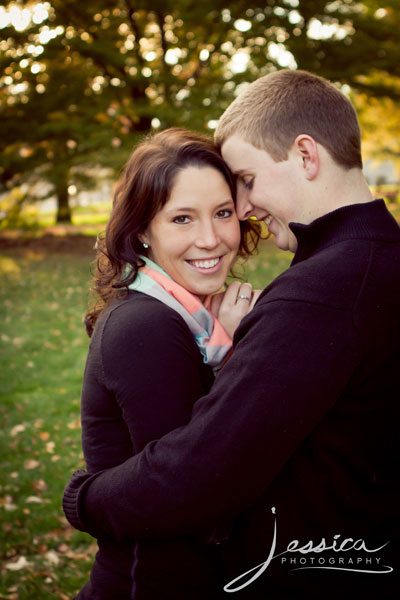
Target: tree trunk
63 208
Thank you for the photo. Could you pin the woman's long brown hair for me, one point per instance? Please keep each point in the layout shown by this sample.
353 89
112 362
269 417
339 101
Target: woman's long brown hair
143 189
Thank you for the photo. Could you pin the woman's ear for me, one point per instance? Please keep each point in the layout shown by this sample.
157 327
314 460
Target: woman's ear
307 149
143 239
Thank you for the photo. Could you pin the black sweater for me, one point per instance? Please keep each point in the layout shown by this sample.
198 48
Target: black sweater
143 373
301 425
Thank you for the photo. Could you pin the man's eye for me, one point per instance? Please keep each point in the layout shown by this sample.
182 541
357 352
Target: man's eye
181 220
225 213
248 183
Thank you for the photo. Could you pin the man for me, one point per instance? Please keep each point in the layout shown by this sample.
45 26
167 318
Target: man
293 452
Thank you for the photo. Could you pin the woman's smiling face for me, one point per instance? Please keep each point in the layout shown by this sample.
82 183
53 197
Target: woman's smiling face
196 235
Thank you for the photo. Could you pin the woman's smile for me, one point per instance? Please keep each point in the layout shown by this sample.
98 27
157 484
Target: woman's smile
206 265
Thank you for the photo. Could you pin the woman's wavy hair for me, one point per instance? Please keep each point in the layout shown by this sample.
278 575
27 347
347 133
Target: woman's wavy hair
143 189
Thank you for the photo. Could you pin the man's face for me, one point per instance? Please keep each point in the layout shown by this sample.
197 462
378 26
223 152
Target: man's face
268 190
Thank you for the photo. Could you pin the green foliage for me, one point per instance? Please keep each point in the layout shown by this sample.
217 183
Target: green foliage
82 83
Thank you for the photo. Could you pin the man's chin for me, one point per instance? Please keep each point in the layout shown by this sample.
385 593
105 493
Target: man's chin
284 242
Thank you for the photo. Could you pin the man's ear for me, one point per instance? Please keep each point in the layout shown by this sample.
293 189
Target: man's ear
307 149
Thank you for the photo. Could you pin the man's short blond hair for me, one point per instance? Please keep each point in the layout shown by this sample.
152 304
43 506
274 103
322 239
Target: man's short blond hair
275 109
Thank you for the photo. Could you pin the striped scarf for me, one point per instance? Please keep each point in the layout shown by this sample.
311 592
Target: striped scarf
213 341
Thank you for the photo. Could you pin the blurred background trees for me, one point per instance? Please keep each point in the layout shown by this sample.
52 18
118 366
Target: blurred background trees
80 82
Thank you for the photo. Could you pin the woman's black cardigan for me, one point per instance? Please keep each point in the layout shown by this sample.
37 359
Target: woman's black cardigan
143 373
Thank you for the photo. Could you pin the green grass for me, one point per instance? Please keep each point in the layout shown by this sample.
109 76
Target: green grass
42 352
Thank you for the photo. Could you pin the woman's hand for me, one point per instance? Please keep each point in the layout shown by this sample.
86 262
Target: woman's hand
232 305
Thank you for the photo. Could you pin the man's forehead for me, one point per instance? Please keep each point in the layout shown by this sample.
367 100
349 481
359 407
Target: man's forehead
232 151
235 151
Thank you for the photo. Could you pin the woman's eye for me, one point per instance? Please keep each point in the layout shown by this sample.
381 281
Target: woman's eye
225 213
181 220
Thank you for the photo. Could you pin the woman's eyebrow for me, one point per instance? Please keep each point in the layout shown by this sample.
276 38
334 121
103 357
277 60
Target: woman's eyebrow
191 209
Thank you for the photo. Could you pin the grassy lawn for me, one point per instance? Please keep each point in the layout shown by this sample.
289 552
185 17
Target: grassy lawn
42 352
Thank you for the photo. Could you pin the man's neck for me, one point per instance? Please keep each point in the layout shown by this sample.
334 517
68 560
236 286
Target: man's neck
341 188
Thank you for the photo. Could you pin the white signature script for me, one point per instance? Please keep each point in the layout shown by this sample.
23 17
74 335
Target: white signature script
345 545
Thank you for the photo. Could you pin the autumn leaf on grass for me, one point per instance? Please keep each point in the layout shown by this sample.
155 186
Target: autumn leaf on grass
17 565
8 503
34 500
17 429
75 424
31 464
39 485
52 557
50 447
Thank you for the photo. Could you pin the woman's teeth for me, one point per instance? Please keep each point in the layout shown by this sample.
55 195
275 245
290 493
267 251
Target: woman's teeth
204 264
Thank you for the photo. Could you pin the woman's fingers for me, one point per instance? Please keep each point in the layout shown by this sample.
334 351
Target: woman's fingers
244 297
234 305
256 295
216 303
231 294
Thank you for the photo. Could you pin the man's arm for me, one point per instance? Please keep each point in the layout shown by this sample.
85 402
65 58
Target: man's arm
291 362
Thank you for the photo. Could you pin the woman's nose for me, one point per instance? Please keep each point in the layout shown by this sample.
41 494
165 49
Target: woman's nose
207 236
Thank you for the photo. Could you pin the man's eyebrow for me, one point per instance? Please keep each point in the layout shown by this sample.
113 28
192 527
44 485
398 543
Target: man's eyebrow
240 172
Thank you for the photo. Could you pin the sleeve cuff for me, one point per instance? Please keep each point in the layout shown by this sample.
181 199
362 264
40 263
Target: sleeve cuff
73 498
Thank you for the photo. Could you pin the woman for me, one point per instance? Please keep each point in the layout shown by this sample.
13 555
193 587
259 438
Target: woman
170 243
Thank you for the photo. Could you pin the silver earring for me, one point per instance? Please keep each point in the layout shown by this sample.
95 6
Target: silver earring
145 245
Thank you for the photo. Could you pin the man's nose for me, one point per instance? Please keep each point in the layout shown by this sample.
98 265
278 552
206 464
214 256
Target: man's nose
244 208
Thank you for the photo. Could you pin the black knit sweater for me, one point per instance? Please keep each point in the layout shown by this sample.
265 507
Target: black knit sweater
300 426
143 373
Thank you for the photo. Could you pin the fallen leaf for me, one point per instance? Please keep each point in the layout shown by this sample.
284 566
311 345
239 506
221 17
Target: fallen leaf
7 503
50 447
44 435
17 429
31 464
17 565
52 557
39 485
34 500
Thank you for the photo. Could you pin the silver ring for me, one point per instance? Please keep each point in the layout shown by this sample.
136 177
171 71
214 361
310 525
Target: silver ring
242 297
